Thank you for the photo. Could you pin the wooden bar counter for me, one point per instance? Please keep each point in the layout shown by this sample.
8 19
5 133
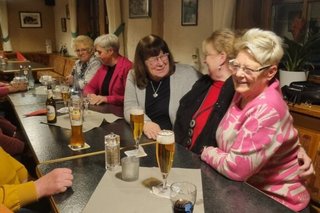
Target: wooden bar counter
306 120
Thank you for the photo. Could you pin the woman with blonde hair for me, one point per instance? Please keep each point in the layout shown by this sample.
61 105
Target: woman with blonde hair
256 140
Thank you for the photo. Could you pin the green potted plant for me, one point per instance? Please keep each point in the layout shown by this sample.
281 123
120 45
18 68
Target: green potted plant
298 57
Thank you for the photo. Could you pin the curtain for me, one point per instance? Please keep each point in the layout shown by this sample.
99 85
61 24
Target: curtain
73 18
223 13
6 43
114 20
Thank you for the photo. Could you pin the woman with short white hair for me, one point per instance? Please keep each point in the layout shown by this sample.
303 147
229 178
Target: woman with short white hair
108 84
256 139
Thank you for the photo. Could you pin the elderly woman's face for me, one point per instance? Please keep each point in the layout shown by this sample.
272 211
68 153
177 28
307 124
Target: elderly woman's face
248 77
158 66
83 52
213 60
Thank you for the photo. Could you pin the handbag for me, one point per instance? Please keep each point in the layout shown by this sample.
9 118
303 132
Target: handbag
302 92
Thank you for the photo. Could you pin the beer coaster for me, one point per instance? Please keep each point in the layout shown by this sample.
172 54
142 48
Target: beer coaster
138 153
86 146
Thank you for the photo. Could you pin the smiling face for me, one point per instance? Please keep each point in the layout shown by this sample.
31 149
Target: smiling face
84 53
158 66
251 84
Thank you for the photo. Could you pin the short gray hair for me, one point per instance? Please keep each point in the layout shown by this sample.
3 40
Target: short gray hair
108 41
265 46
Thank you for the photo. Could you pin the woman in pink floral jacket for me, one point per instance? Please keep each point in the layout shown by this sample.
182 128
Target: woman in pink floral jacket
256 139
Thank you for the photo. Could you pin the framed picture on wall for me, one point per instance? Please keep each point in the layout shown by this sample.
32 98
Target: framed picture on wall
63 25
139 9
189 12
30 19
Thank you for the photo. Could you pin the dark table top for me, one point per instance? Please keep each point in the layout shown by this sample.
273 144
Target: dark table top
51 142
220 194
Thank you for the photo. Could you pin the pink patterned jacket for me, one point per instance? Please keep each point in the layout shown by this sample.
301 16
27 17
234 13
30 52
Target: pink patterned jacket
259 144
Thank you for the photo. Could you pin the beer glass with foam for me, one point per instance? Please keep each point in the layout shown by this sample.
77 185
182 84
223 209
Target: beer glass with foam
136 122
165 149
76 120
65 93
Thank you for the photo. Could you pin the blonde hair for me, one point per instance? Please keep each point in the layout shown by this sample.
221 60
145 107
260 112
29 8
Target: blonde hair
85 40
221 41
264 46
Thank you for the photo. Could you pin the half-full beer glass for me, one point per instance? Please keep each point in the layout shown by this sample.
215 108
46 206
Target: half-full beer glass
165 153
136 122
76 120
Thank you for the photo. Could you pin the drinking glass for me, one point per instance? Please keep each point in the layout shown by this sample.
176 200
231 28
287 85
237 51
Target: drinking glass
136 122
76 120
165 149
65 93
183 196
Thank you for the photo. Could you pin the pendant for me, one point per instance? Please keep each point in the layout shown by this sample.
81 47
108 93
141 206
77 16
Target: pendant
155 95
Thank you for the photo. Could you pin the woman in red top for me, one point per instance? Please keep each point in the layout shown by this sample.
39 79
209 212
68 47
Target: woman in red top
108 84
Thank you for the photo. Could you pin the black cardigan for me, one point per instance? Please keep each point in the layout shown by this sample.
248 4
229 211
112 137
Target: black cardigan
191 102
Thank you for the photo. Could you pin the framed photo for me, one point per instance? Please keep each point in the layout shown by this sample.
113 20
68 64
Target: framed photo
139 8
63 25
30 20
189 12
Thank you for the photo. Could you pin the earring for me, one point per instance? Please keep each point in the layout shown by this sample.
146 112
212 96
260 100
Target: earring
219 68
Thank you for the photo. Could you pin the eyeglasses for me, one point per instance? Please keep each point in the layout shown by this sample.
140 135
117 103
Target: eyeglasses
235 67
82 50
154 60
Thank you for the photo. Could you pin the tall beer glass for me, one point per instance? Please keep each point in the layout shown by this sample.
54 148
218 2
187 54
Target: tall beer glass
65 93
136 122
165 153
76 120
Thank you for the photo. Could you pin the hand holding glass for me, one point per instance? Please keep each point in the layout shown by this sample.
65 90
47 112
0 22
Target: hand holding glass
165 149
137 121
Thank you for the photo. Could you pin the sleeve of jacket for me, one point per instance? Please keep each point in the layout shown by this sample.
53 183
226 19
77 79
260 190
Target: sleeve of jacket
92 69
93 86
4 91
118 96
15 196
15 192
130 95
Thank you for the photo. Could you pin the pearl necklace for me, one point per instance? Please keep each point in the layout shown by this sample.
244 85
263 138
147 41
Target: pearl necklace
155 92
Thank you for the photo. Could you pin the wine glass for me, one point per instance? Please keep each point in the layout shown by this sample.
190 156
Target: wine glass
136 122
165 149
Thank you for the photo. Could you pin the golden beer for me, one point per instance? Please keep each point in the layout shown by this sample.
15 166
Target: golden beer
65 96
136 121
76 120
76 140
165 151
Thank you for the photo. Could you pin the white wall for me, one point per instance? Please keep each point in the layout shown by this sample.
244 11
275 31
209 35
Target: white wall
183 40
30 39
62 37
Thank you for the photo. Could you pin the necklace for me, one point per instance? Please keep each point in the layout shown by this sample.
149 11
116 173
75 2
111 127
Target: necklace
155 92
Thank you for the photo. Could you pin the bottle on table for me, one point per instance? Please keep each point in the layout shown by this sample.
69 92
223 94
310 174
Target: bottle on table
30 78
51 107
76 90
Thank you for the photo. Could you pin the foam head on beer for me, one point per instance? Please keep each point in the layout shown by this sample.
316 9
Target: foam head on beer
165 137
136 111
